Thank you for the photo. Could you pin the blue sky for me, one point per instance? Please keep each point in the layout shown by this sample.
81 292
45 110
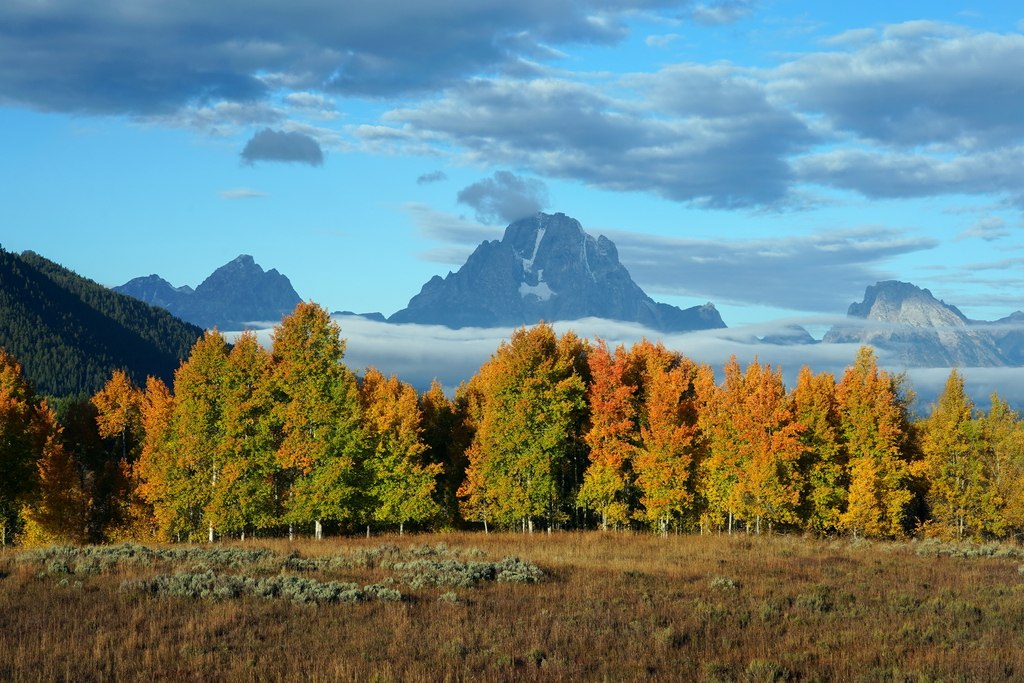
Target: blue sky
773 157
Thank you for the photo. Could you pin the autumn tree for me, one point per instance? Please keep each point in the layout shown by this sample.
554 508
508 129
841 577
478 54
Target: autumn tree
159 471
956 477
823 465
1001 446
608 482
57 511
665 456
19 444
244 495
873 424
527 456
118 511
316 415
199 431
447 433
402 483
120 414
721 469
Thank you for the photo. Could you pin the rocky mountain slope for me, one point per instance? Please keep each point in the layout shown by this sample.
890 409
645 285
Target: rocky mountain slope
922 330
546 267
237 293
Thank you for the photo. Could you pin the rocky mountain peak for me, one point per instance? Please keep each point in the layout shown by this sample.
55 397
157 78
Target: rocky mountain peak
233 295
545 267
903 302
921 330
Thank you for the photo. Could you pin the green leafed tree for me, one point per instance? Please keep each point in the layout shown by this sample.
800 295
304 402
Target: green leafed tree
527 457
317 418
198 425
245 495
1001 435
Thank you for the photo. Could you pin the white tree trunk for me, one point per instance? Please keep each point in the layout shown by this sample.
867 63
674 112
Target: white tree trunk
318 530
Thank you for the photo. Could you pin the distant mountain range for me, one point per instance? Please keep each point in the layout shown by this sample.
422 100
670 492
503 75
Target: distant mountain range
926 332
546 267
231 298
69 333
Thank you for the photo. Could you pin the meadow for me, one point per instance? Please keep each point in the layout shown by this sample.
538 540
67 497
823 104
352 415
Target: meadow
470 606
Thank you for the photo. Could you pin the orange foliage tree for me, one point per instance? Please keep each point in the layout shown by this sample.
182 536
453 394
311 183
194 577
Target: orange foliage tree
608 482
667 449
402 483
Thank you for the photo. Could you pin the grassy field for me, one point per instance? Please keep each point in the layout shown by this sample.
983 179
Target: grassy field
587 606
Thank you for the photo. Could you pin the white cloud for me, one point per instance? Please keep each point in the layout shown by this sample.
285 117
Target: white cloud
420 353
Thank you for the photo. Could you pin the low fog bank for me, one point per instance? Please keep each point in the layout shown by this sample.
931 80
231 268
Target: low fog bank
418 354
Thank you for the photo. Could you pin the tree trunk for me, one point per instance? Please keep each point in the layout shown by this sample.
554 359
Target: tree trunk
486 531
291 532
401 528
367 530
210 534
318 530
530 524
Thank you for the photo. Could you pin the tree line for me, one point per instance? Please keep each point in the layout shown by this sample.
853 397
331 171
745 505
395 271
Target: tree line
551 432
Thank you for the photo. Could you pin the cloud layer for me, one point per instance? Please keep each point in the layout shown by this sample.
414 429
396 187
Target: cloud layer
421 353
913 109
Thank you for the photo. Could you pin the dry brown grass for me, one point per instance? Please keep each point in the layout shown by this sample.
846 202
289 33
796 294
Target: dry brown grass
614 607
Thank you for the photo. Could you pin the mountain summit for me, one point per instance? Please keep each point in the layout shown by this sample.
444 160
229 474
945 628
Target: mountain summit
237 293
922 330
546 267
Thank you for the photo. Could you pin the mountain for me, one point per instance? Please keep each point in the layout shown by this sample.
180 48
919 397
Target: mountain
545 267
237 293
1008 334
922 330
69 333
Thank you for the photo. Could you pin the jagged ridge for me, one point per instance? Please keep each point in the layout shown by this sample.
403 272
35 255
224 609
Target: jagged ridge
237 293
923 331
546 267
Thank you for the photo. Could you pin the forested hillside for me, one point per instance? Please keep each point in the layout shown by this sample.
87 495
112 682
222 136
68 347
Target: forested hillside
69 333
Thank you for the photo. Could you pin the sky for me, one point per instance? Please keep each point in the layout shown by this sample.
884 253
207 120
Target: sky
773 157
